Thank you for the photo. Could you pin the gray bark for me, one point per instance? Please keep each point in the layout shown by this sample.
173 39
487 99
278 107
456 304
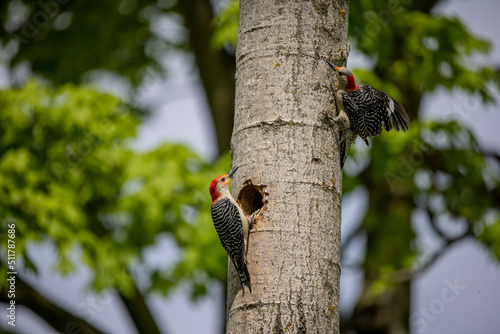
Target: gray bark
288 154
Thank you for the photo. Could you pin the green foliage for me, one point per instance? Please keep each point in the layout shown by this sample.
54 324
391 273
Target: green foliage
64 39
434 167
167 192
68 177
419 50
490 234
226 25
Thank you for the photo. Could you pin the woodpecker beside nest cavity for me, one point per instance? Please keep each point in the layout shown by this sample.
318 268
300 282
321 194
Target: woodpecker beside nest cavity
231 225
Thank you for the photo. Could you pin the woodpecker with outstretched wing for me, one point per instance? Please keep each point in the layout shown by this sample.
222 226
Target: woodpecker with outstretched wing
364 111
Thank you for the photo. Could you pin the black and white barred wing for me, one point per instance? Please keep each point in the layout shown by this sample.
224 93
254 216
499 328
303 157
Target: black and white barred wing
371 110
227 222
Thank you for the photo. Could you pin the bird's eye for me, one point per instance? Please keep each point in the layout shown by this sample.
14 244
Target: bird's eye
223 179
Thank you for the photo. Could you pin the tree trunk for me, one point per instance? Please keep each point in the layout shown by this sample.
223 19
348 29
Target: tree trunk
289 163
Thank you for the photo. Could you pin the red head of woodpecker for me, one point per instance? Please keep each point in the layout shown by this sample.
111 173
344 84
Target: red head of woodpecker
345 76
220 185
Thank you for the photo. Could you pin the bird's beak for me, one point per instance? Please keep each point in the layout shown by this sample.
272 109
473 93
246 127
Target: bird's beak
332 65
335 68
232 171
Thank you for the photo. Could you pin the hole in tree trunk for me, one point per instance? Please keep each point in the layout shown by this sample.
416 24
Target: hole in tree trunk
250 198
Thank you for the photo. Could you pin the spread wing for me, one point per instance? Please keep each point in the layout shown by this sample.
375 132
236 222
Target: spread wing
371 110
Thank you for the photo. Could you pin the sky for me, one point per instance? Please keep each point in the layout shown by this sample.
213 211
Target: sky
459 294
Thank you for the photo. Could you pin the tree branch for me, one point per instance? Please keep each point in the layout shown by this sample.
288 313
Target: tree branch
443 250
139 312
433 224
405 275
136 304
492 155
61 320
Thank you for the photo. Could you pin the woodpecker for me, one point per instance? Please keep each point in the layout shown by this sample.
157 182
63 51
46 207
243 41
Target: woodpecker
231 225
363 111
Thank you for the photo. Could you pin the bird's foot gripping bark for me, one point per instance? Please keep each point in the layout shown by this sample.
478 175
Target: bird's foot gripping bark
326 118
342 121
251 220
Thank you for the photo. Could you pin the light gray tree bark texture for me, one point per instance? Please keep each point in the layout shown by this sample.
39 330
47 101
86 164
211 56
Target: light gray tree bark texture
288 154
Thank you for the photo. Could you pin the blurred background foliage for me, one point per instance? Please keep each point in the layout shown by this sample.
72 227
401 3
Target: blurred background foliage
69 177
